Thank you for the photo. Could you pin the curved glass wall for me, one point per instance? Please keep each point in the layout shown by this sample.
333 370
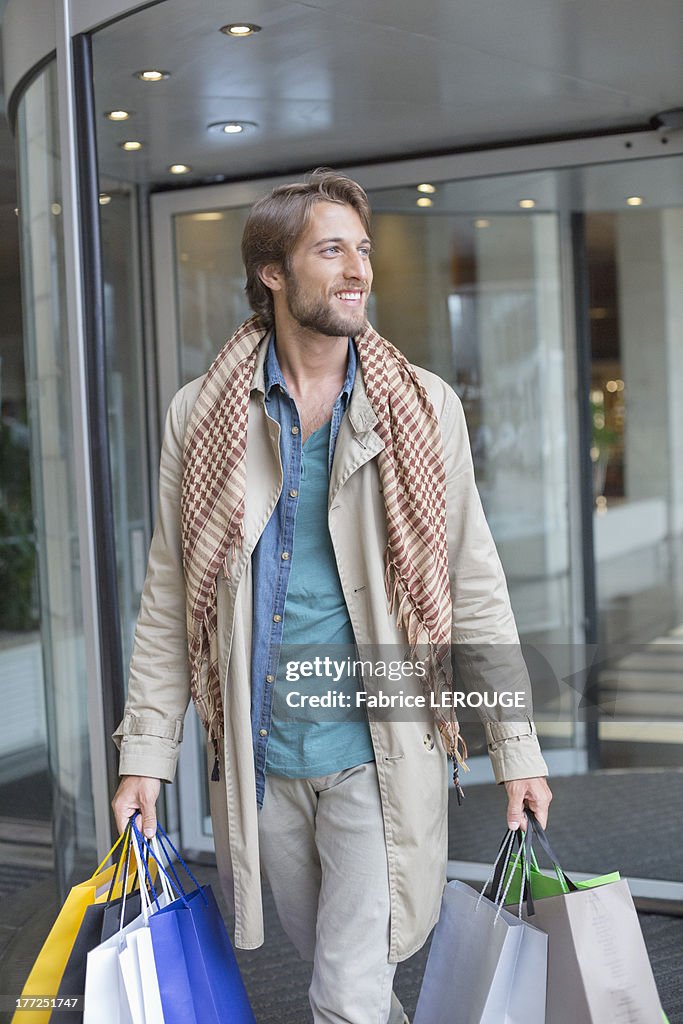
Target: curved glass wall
53 477
126 399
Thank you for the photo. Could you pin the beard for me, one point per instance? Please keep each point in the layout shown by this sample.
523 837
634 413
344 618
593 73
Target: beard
317 315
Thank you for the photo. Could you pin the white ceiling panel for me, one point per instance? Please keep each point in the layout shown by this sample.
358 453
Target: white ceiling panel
332 81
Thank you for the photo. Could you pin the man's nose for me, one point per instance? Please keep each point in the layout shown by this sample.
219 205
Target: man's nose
356 267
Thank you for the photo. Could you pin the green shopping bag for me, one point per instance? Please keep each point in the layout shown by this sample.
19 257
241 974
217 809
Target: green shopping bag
543 885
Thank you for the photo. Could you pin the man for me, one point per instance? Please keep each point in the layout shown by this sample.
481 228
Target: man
315 488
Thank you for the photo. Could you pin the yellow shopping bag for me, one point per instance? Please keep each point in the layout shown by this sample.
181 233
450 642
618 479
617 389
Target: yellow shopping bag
46 973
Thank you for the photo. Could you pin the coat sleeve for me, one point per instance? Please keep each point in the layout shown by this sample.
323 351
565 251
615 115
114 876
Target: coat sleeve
149 735
486 650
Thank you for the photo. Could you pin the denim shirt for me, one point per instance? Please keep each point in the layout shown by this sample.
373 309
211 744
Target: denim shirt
271 557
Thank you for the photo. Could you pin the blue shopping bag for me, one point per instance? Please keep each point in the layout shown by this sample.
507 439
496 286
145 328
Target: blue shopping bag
199 978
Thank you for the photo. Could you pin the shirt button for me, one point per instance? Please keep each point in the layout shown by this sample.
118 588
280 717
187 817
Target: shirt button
284 556
270 679
295 430
263 732
293 493
277 618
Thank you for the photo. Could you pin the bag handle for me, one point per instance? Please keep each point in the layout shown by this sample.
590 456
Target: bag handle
98 870
122 858
544 842
164 843
177 891
145 894
508 865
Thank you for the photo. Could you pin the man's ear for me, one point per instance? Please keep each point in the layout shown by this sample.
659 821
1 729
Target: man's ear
272 276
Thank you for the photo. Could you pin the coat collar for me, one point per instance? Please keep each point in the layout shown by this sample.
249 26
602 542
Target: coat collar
362 416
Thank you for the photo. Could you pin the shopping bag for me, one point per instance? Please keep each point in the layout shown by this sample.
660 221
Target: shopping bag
49 966
199 978
136 956
485 965
598 966
106 998
138 971
100 921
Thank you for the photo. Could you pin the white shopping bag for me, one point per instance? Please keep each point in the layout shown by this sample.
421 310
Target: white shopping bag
105 1000
485 965
114 992
139 974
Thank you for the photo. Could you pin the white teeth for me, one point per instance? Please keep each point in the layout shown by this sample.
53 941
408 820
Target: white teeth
348 295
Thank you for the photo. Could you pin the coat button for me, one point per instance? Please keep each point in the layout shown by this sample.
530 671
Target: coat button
270 679
263 732
428 741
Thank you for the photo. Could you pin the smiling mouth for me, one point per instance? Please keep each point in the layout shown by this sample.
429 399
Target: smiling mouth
349 296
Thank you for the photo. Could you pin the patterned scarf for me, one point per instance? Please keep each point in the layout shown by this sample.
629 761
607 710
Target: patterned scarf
413 481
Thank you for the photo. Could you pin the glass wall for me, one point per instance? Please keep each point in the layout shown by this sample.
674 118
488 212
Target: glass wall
634 260
478 302
126 399
210 284
25 801
52 454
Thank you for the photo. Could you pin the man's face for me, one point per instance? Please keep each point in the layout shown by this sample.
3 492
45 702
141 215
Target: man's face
327 282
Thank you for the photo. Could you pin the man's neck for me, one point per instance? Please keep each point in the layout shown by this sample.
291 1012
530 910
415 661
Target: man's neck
310 362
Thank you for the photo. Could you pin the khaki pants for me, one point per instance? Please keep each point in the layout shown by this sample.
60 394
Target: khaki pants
324 855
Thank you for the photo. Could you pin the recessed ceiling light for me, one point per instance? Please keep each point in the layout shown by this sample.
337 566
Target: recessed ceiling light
152 76
209 215
56 208
240 29
527 204
131 146
179 169
429 189
424 201
16 210
232 127
482 222
635 200
105 199
118 115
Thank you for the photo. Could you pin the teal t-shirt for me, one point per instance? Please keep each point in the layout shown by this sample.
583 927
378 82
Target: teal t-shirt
306 741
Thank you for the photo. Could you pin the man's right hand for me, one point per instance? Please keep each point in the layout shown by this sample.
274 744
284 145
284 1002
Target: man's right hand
137 793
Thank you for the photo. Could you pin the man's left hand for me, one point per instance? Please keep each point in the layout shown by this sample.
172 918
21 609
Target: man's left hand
533 793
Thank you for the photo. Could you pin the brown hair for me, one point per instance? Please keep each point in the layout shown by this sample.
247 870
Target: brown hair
277 221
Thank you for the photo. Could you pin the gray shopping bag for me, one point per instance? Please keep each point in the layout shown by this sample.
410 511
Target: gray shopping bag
485 965
598 967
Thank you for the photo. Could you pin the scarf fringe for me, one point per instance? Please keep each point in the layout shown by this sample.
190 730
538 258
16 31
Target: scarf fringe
438 678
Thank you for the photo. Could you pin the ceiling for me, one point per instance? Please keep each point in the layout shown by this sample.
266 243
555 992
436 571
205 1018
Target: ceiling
346 81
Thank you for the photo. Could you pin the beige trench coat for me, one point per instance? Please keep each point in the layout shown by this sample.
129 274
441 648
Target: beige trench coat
412 769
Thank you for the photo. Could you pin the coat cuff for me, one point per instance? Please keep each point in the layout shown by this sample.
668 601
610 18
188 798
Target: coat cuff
514 750
149 746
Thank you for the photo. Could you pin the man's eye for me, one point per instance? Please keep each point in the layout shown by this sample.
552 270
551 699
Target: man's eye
365 251
331 248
